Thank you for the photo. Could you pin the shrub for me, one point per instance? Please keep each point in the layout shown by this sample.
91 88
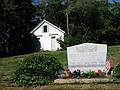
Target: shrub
116 72
79 74
37 70
76 74
89 74
92 74
84 75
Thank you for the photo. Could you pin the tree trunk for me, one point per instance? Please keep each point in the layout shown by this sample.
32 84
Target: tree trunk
67 17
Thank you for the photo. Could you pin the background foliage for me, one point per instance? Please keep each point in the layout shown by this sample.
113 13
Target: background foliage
94 21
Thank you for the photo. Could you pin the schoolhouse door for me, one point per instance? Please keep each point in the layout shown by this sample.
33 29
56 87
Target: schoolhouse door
53 43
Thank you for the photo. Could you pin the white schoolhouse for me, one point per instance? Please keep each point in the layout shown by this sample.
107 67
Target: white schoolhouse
47 34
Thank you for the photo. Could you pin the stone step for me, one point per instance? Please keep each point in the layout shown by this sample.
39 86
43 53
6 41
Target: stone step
87 81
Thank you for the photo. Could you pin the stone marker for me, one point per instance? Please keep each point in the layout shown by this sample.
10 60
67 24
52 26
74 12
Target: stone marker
87 57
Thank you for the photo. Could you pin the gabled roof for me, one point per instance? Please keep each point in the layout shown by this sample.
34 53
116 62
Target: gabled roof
45 21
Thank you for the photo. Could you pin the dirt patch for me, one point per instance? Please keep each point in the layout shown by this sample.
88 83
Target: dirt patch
69 84
92 86
81 87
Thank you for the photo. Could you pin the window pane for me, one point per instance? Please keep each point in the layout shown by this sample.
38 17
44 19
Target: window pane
45 28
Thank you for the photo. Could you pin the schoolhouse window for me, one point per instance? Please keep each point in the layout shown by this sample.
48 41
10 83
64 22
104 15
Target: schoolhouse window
45 28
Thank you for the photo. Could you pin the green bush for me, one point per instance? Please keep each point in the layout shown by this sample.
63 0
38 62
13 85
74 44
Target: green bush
92 74
76 74
84 75
37 70
79 74
116 72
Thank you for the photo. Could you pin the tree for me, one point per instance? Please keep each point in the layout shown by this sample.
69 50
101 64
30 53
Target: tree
15 27
109 18
53 11
6 7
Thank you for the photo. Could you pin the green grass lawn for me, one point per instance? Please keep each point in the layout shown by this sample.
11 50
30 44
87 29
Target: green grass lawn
8 65
114 55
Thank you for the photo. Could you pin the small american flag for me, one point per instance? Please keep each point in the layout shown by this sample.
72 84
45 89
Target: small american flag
108 66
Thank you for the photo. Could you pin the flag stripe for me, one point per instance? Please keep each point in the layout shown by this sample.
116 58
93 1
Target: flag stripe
108 66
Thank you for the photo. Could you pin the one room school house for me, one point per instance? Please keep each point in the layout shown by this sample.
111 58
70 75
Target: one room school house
47 35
